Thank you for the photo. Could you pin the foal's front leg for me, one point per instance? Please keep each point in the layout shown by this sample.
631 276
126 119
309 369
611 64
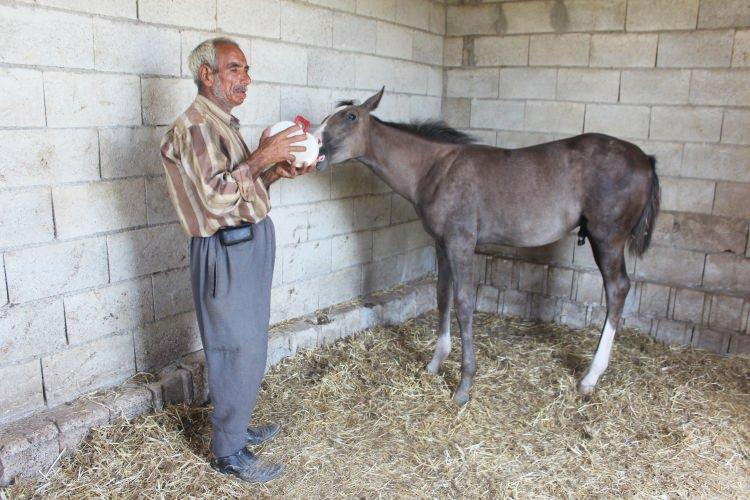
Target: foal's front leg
444 298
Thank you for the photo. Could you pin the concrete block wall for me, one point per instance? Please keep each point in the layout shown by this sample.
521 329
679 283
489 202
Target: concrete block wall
672 76
93 278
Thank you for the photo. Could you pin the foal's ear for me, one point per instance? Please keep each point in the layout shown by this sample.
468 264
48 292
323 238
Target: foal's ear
373 101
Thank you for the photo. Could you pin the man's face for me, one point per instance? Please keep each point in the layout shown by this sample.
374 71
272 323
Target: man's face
230 83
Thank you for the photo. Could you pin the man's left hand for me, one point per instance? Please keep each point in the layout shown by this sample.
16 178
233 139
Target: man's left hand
287 171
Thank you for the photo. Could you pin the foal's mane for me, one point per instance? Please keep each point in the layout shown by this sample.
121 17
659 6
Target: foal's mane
434 130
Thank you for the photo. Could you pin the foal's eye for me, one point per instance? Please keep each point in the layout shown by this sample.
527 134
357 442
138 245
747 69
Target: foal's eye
351 117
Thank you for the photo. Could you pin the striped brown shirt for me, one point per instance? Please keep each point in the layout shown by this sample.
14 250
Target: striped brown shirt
210 186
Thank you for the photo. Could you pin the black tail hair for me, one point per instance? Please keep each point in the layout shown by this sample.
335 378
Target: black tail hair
644 228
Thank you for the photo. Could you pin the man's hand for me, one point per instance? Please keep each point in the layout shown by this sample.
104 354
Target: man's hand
273 149
287 171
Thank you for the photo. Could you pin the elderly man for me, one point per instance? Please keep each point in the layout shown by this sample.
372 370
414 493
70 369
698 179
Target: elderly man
220 192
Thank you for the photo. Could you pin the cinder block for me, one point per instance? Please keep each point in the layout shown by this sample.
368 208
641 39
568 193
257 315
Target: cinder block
482 82
394 41
686 124
23 394
418 262
329 69
128 152
621 121
77 370
146 251
262 107
164 99
741 55
705 233
26 217
195 363
160 343
307 189
306 24
643 325
559 50
487 299
172 293
668 155
371 212
719 87
728 163
382 274
402 210
330 218
85 100
696 49
497 51
354 33
23 98
615 50
572 314
427 48
660 15
307 260
424 108
158 204
33 329
473 20
399 239
673 332
125 47
38 272
453 51
732 200
563 117
414 13
75 421
724 14
512 140
655 86
28 448
687 195
293 301
531 277
99 207
726 313
348 5
504 115
339 286
255 18
688 305
291 225
308 102
544 308
560 282
351 249
671 265
654 300
736 128
583 15
373 72
26 40
113 8
128 402
527 83
3 290
99 312
595 85
275 62
588 288
438 18
516 303
711 340
195 13
381 9
727 272
501 273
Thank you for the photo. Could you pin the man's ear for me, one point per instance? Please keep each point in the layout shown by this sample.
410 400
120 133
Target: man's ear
207 75
372 102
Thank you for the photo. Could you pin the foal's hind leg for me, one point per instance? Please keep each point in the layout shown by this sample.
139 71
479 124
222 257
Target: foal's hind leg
444 298
610 257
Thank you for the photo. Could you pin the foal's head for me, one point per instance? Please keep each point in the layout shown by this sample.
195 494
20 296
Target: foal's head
344 134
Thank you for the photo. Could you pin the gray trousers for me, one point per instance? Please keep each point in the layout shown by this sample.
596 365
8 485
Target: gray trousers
232 294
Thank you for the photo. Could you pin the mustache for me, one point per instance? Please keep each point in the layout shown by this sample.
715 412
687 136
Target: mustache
240 88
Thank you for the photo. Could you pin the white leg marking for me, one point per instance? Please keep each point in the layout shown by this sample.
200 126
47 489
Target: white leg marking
442 350
601 359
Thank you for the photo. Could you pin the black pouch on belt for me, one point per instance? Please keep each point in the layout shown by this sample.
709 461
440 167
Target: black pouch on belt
238 234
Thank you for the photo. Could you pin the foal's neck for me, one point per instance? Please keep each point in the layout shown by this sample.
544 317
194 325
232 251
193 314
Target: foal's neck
401 159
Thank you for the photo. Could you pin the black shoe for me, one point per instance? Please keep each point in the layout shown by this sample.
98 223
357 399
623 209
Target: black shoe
247 467
259 435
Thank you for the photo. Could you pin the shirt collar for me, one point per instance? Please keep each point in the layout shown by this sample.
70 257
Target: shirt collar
210 107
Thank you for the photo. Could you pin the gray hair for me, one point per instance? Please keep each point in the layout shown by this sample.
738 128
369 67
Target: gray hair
205 53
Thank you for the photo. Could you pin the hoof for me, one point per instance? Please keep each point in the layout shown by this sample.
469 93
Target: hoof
586 389
461 398
432 368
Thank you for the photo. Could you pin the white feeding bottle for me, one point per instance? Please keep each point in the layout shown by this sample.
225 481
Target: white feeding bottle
310 154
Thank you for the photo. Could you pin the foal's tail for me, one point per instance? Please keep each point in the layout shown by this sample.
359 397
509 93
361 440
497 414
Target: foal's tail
641 233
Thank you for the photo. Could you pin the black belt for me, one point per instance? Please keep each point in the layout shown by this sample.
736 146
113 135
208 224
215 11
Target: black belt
236 234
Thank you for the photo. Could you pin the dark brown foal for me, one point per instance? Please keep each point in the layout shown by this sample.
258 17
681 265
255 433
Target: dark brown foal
471 198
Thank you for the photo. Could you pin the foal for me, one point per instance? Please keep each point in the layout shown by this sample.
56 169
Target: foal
471 197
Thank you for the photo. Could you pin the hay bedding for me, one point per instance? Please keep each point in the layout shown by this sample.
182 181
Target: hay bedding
362 419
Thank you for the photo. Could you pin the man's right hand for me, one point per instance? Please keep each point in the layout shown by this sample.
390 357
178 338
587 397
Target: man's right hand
273 149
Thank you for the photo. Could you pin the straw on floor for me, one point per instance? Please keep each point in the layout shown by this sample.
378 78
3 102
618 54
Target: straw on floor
361 418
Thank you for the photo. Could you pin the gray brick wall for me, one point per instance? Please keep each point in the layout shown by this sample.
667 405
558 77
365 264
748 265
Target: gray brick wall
93 278
671 76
